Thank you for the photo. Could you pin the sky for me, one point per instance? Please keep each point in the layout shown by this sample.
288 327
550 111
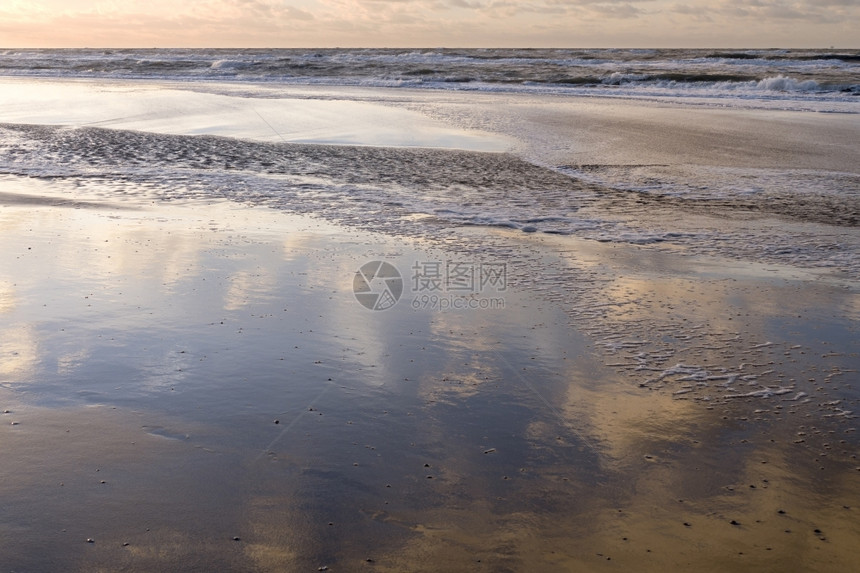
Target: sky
430 23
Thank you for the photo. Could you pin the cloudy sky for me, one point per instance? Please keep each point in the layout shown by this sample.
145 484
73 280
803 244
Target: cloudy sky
430 23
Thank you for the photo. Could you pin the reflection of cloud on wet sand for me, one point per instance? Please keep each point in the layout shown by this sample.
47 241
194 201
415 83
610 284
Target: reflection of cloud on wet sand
7 296
70 361
113 249
19 350
108 247
275 527
623 419
699 511
487 539
473 342
672 483
852 306
246 287
513 484
660 500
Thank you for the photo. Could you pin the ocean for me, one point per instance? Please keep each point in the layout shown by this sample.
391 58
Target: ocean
822 80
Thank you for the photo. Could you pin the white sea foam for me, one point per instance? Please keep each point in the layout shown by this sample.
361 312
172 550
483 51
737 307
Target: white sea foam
786 84
230 64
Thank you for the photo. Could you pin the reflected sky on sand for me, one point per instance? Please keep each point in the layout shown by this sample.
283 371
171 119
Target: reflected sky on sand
177 109
196 387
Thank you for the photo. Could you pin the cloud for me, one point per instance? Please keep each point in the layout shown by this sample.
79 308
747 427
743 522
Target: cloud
158 22
538 23
769 13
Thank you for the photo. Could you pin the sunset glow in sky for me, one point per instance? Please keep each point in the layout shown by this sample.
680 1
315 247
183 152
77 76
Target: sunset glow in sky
430 23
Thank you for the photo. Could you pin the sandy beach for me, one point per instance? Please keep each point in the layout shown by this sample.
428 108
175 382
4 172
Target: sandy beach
189 382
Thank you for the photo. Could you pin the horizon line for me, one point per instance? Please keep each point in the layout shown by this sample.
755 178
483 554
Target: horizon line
425 47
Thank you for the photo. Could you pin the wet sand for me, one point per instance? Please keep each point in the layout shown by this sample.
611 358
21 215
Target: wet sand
188 382
195 387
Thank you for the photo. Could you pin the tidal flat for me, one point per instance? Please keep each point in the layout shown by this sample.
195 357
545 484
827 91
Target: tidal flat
195 386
